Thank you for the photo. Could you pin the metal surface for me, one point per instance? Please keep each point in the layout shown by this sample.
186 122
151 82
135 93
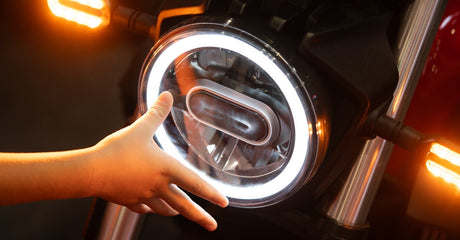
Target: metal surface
352 205
119 223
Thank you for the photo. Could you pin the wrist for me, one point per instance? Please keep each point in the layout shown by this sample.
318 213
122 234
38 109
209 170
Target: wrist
94 171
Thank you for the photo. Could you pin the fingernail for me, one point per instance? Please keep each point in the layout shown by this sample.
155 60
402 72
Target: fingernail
173 212
211 226
223 203
165 97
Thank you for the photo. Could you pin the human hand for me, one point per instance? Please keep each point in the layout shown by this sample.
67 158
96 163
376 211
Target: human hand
130 169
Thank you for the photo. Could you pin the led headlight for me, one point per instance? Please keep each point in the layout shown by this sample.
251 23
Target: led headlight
242 117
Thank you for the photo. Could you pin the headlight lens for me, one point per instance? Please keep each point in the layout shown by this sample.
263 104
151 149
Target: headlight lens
240 119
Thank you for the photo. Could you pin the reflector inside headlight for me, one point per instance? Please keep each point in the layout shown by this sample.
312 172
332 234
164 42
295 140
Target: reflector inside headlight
240 118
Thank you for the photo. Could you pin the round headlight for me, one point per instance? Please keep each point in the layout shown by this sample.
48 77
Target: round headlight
242 117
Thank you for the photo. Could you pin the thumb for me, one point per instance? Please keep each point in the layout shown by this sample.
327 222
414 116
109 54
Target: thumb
157 113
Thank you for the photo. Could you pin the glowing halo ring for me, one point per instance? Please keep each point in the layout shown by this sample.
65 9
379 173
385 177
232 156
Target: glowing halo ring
299 159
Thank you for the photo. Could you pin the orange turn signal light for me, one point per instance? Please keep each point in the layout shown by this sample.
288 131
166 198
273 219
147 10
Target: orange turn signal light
444 163
91 13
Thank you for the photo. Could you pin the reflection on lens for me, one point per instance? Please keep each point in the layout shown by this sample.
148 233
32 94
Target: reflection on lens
229 117
232 131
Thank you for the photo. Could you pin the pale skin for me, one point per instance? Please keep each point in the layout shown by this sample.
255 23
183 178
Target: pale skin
127 168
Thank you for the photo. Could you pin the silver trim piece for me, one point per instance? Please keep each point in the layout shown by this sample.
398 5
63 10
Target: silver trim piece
241 100
351 206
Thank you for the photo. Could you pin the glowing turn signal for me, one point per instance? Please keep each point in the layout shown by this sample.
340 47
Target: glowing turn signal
91 13
444 163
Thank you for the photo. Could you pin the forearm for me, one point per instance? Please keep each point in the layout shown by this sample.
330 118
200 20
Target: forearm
127 168
26 177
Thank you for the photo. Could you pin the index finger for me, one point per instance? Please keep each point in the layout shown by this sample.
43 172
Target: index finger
191 182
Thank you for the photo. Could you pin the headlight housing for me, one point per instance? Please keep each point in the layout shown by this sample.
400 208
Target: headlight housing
243 118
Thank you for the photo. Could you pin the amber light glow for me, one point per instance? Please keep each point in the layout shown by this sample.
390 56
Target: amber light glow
91 13
449 170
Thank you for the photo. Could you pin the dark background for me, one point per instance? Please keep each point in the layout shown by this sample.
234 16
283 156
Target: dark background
60 89
64 86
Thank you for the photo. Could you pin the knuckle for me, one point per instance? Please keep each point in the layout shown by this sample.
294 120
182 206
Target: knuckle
197 188
158 111
164 173
184 209
155 112
153 192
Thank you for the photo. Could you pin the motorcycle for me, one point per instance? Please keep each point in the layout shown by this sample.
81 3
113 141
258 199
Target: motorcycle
292 109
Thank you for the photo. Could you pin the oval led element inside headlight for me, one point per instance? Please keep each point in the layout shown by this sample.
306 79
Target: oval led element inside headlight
233 113
241 117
